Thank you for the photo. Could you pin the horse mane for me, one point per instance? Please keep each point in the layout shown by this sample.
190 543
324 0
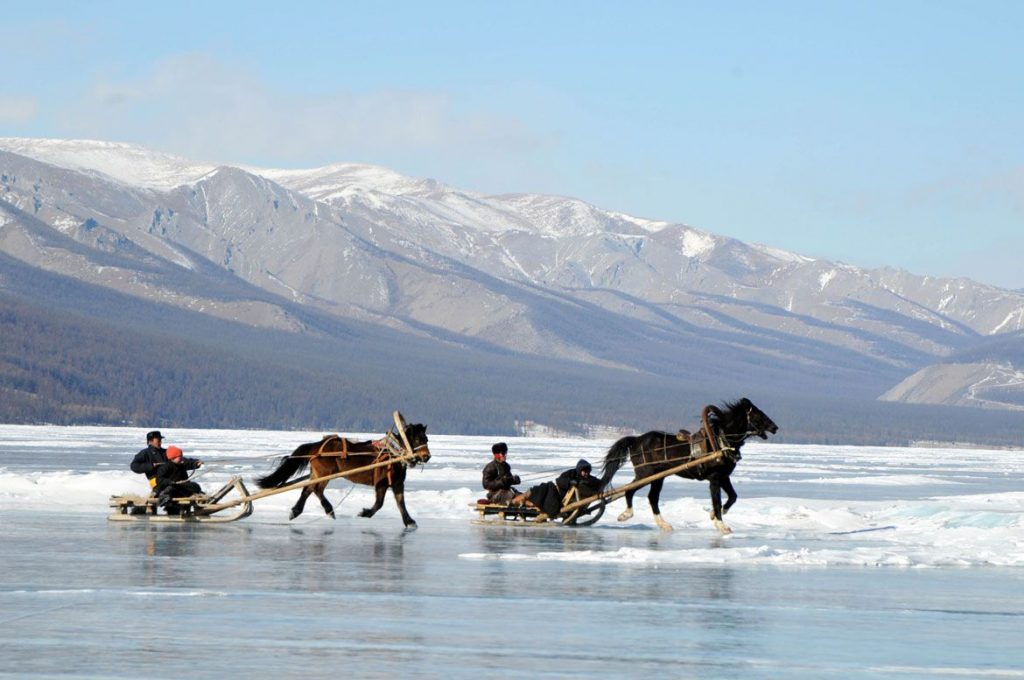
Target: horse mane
721 418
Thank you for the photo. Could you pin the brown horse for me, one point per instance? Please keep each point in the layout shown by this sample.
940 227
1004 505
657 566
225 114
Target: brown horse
334 454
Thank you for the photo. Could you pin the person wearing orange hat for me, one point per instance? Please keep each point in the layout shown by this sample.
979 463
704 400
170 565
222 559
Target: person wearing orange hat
172 480
498 478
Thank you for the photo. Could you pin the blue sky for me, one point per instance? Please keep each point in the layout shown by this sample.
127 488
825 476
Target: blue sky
876 134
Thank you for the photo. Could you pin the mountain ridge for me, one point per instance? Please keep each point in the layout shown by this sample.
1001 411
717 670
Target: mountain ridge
529 274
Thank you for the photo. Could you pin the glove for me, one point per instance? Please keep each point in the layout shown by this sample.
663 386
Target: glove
515 479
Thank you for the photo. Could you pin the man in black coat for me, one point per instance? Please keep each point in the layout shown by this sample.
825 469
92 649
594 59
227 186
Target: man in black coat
498 478
150 458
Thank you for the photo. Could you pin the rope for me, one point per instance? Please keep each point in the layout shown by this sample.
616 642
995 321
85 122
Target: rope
318 517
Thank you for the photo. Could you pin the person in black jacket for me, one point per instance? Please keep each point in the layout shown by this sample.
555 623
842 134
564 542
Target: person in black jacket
148 459
172 479
547 497
498 478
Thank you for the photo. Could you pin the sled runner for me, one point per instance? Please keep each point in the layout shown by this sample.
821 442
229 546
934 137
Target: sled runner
197 508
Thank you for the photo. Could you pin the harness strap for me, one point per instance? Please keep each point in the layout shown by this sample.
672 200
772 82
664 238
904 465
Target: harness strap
708 431
379 473
323 443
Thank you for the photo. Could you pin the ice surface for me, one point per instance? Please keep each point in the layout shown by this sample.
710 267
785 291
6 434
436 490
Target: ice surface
845 562
807 504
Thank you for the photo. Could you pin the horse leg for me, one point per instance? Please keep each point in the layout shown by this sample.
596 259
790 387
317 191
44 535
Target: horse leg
652 496
730 493
628 513
715 487
320 491
398 490
300 504
381 489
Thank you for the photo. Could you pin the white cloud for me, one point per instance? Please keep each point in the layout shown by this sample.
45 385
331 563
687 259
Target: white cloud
17 109
197 106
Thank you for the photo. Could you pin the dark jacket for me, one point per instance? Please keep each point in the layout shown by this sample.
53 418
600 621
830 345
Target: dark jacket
588 486
147 460
498 476
174 476
548 496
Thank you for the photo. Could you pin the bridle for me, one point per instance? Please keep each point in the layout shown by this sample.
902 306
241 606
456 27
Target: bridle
731 441
395 446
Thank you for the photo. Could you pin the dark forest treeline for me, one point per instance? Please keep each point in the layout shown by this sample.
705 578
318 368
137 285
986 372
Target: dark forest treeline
71 371
62 369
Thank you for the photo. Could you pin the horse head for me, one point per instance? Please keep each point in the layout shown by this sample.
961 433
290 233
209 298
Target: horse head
416 435
758 422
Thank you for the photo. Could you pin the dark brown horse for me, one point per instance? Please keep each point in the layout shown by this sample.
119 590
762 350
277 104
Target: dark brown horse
725 428
333 454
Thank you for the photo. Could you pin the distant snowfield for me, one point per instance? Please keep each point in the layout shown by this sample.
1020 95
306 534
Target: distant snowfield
807 506
127 163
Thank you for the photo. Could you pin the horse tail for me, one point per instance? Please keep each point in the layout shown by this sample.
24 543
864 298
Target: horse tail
293 464
615 457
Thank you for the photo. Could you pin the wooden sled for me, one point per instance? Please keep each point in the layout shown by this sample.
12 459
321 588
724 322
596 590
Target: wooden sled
579 512
523 515
197 508
208 508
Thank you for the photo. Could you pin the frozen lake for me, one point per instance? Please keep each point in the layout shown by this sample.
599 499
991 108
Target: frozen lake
845 562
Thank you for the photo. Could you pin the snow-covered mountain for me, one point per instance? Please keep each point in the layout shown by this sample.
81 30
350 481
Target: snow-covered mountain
526 273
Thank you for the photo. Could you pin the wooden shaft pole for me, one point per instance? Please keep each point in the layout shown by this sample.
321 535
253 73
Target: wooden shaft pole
299 485
615 493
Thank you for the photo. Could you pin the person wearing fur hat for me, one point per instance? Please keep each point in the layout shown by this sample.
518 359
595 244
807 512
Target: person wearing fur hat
172 480
498 479
150 458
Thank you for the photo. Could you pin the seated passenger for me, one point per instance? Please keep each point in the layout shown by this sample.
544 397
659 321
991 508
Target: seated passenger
172 480
498 478
547 497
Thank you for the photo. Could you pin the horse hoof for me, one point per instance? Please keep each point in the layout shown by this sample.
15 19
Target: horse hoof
331 515
411 525
626 515
366 513
292 515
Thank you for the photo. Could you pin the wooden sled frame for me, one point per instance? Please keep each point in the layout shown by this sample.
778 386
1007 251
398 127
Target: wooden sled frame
574 508
197 508
520 515
204 508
